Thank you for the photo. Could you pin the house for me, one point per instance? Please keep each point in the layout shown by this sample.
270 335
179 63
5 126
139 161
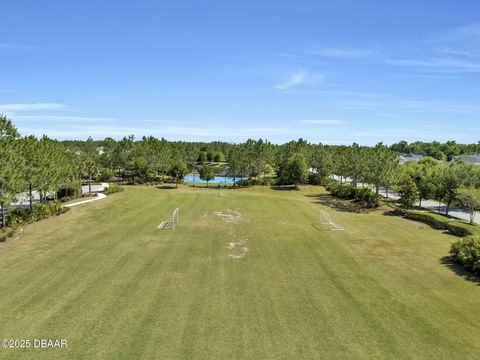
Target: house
409 157
471 159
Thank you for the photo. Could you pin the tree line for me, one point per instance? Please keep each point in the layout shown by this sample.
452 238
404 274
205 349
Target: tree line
58 168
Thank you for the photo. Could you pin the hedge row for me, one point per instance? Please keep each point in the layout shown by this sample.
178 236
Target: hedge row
362 194
113 189
6 233
22 216
38 212
440 222
467 252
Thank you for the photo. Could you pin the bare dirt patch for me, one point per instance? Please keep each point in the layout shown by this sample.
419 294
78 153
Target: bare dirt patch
238 249
230 216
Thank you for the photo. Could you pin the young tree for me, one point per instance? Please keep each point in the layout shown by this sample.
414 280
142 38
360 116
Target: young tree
202 157
178 171
322 161
355 163
218 156
10 165
206 174
30 152
448 181
90 159
407 189
382 165
293 170
424 176
469 198
297 169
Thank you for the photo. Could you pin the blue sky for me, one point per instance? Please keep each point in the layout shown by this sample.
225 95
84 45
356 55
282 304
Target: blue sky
333 72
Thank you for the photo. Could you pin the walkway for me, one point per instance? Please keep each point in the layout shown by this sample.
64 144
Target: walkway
455 212
100 196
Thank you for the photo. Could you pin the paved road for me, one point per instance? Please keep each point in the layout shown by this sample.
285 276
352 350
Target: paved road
433 205
24 201
430 204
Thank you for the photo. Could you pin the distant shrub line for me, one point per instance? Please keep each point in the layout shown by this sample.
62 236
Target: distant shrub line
361 194
22 216
465 251
439 222
112 189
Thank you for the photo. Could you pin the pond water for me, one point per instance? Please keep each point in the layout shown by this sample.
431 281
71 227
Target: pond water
216 180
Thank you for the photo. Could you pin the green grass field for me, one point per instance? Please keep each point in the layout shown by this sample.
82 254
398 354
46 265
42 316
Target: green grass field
243 276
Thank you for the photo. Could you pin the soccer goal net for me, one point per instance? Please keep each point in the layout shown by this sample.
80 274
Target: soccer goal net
325 219
170 224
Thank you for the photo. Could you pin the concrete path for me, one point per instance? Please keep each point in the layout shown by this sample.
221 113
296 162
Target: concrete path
100 196
433 205
458 213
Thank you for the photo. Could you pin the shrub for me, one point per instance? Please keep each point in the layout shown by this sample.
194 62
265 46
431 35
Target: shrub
314 179
113 189
342 191
467 252
5 234
459 229
106 175
23 216
440 222
435 221
367 196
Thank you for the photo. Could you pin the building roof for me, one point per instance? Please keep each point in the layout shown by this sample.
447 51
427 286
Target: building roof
472 159
410 157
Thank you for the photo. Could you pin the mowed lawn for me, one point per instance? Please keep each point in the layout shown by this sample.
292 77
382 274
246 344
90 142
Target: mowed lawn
245 275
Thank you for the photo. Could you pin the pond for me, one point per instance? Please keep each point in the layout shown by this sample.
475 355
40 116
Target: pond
217 180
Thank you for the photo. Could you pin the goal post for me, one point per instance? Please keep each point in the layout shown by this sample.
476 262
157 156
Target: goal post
326 219
175 216
170 224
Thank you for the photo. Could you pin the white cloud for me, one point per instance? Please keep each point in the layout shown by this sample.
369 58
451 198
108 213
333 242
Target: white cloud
325 122
61 118
295 79
447 65
298 78
179 132
340 53
31 106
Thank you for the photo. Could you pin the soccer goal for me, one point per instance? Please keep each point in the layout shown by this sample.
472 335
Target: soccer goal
170 224
325 219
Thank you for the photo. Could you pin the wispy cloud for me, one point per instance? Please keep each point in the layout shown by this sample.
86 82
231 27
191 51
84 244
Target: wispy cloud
445 65
339 52
450 51
31 106
456 52
177 132
298 78
324 122
61 118
295 79
466 33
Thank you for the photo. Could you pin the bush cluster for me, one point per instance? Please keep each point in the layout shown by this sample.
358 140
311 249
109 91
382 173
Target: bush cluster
315 179
6 233
440 222
23 216
467 252
361 194
113 189
256 182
